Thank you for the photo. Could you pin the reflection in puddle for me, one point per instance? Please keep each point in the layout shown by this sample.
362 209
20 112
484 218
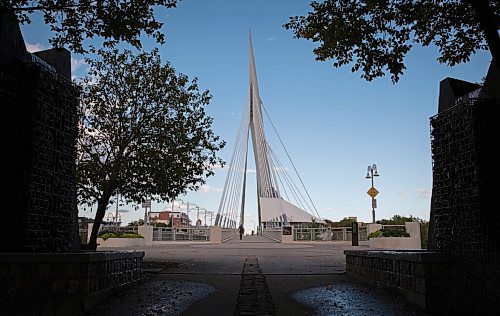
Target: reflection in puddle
349 299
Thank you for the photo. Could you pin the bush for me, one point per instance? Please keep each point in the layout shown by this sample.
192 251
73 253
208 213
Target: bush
375 234
130 235
388 233
394 233
106 234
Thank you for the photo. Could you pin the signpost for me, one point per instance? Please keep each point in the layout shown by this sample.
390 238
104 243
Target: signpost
372 192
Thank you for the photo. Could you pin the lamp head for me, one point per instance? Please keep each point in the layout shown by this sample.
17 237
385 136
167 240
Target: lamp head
368 175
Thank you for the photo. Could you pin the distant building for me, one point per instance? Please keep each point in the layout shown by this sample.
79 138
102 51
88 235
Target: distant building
178 219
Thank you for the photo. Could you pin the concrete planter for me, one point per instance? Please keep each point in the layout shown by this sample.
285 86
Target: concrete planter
409 243
121 242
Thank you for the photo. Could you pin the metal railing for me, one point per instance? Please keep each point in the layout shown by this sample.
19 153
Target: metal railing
328 234
272 233
229 233
182 234
128 229
401 228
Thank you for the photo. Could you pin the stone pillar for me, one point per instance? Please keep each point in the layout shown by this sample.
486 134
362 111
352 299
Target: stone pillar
370 228
288 237
43 104
146 231
413 228
215 234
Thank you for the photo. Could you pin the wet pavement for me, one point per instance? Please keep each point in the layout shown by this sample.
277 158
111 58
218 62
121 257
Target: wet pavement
209 279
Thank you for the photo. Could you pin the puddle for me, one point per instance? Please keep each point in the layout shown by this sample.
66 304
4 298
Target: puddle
350 299
155 298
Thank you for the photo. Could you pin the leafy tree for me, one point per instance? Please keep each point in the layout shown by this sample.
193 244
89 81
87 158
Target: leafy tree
143 132
74 20
398 220
346 222
375 35
328 222
136 223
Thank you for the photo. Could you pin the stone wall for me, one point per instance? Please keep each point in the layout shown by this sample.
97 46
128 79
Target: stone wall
63 284
40 156
462 211
438 282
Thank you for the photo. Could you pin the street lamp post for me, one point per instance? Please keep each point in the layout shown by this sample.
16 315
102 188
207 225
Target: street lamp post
370 174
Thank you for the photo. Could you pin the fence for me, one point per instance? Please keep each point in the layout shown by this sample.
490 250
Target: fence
401 228
229 233
328 234
174 234
273 233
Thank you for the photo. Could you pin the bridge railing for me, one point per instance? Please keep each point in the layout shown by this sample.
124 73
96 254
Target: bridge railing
272 233
328 234
229 233
183 234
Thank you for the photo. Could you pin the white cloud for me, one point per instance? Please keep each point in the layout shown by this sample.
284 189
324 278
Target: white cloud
402 193
34 47
272 38
209 189
76 63
424 193
329 209
219 167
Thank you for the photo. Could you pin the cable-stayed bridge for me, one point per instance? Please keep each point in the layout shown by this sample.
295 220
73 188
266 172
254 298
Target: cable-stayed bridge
280 201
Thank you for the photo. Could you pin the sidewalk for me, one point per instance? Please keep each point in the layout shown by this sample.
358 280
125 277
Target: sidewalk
206 279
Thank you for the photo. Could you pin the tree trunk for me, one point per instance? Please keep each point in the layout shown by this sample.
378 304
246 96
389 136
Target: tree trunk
102 204
489 25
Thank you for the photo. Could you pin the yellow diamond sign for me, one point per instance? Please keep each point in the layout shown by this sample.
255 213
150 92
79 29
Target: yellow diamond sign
372 192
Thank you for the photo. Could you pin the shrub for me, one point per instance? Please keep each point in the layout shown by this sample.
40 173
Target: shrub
130 235
388 233
106 234
394 233
375 234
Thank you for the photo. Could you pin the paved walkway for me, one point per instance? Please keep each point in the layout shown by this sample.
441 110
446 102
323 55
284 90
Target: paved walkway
253 276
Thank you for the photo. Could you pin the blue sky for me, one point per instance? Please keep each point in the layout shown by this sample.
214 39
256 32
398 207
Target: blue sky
333 123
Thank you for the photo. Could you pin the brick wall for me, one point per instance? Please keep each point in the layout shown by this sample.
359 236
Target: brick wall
40 155
63 284
440 283
463 216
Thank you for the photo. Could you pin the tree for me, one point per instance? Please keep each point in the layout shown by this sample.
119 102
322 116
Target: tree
74 20
143 132
328 222
375 35
136 223
398 220
345 222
